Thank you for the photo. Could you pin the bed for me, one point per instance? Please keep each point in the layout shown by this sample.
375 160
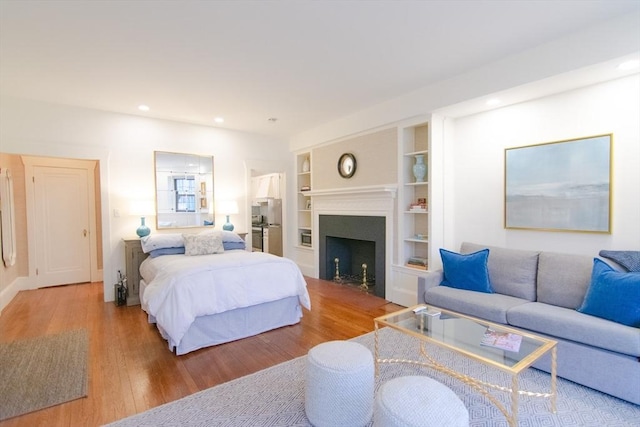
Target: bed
198 298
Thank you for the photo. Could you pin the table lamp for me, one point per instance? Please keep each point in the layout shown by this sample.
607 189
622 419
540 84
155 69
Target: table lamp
142 208
227 207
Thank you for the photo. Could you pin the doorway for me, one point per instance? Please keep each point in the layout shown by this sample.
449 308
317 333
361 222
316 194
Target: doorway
63 231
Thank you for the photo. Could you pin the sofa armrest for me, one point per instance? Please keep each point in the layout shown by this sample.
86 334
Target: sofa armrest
433 278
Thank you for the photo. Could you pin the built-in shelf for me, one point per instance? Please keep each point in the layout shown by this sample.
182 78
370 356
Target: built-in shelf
415 240
414 153
413 141
305 214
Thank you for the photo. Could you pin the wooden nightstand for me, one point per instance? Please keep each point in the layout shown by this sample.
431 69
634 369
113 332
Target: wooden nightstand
133 258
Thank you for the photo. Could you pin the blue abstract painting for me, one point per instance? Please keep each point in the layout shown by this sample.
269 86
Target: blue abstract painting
560 186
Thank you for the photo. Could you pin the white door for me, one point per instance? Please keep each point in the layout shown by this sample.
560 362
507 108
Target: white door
63 245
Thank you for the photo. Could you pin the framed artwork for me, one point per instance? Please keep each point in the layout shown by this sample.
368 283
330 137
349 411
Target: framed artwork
560 186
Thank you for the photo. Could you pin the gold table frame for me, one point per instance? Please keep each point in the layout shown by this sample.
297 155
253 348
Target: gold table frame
482 387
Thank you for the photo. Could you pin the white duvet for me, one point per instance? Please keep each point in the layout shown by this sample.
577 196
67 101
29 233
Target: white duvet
181 288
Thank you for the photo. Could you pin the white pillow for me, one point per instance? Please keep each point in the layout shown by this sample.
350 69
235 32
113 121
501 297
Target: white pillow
227 236
203 244
161 241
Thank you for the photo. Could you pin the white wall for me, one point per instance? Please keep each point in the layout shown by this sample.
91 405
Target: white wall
563 62
124 145
478 165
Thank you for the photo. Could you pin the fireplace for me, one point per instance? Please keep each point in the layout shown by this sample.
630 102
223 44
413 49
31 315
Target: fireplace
354 240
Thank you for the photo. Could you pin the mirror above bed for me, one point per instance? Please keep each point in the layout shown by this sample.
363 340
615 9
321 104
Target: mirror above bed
184 190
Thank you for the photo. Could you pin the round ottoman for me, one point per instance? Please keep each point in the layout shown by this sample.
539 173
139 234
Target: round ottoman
416 401
339 384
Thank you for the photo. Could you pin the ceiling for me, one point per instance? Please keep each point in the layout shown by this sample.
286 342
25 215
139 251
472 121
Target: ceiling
301 62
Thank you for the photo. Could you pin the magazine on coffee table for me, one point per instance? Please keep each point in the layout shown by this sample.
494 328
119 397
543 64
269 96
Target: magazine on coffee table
502 340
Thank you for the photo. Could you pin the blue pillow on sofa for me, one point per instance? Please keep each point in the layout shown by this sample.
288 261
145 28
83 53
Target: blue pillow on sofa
613 295
468 271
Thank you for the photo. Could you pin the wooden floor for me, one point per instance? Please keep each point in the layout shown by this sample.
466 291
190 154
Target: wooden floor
132 370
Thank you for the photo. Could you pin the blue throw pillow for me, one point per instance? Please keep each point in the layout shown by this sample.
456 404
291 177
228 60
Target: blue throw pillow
469 271
613 295
166 251
233 245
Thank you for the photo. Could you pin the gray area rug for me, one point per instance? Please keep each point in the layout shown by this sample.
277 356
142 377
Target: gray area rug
37 373
275 396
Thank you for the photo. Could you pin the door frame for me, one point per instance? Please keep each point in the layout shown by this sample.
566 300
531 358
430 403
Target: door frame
254 167
30 162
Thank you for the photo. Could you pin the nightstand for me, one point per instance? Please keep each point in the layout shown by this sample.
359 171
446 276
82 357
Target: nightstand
133 258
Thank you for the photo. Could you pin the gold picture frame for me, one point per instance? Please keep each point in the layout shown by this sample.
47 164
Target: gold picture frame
559 186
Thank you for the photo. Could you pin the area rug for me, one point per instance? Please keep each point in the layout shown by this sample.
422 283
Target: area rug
275 396
37 373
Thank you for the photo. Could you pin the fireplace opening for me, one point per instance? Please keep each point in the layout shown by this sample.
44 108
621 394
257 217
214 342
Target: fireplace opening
355 241
352 262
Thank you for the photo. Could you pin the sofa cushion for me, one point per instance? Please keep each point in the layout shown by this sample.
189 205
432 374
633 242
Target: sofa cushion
613 295
574 326
492 307
563 279
511 271
467 271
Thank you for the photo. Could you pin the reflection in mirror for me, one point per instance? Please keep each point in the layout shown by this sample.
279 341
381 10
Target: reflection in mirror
184 190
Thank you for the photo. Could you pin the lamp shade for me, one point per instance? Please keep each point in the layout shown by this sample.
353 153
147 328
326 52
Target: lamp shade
142 207
227 207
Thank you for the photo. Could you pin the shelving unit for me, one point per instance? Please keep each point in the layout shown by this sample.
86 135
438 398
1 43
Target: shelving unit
414 225
304 206
415 222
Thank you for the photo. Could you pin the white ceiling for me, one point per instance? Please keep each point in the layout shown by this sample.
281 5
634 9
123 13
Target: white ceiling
304 62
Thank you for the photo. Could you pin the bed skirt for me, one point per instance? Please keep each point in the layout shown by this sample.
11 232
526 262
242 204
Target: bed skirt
236 324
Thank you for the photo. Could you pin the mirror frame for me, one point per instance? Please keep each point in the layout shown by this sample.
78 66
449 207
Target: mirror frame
170 167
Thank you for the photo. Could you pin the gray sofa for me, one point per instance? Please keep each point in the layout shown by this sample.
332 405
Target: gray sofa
539 292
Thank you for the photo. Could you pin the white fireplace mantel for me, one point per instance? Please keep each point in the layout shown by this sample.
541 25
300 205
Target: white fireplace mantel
379 200
390 189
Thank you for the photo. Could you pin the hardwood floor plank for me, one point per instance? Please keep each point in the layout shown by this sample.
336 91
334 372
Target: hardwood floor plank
130 366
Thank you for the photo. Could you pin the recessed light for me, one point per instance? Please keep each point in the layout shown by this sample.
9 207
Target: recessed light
493 101
629 65
218 120
143 107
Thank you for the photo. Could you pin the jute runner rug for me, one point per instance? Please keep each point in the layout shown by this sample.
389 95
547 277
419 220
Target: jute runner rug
275 396
37 373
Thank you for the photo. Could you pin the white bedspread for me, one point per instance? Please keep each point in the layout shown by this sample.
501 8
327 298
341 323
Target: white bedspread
181 288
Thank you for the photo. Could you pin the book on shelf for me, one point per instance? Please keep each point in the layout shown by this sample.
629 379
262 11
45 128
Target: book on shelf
305 188
417 262
417 208
502 340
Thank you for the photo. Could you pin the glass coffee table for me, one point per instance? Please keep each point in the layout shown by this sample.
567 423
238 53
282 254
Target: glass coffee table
507 349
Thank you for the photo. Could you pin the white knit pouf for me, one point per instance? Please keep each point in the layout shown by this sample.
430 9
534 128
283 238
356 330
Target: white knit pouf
415 401
339 385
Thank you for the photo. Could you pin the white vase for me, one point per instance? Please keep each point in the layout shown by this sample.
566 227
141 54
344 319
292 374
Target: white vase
305 165
419 168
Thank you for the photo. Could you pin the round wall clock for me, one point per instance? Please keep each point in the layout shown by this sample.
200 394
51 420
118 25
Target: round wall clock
347 165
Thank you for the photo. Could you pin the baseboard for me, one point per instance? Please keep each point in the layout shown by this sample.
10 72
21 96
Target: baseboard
8 293
306 270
